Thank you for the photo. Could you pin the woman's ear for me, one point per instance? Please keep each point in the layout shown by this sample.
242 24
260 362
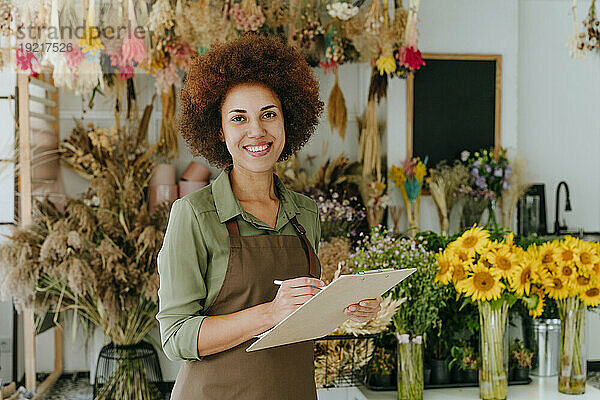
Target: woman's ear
221 136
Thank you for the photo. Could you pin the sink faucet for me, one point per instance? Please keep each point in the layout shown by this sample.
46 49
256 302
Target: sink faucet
557 226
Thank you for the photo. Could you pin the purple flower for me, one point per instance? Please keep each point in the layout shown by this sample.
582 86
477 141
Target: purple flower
505 185
498 172
476 164
508 170
475 172
488 168
481 182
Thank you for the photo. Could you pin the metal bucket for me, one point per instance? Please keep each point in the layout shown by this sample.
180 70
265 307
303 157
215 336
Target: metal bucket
545 342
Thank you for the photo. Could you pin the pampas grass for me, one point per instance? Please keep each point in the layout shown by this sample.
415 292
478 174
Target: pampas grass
336 109
443 181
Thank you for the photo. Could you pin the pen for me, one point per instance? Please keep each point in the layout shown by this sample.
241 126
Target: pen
278 282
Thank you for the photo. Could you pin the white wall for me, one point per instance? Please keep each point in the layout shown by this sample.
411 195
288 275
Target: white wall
559 117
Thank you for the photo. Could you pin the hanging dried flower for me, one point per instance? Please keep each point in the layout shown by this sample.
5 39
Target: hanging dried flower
162 17
133 46
336 109
342 10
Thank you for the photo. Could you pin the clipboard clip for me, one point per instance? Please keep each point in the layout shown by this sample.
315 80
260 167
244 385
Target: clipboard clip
372 271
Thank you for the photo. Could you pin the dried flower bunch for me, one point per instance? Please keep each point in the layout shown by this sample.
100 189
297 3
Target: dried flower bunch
99 256
444 180
339 218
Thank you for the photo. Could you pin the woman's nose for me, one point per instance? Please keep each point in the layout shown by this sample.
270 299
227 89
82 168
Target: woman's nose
255 129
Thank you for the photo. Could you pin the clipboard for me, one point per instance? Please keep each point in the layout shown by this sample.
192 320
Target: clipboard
324 312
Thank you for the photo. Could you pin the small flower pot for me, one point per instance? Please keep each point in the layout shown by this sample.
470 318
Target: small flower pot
440 373
158 194
520 374
455 374
469 375
426 375
382 380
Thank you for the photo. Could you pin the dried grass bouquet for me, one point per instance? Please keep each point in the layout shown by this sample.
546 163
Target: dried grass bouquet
98 257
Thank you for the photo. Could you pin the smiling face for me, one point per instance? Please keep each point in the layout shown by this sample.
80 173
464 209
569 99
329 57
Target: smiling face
253 128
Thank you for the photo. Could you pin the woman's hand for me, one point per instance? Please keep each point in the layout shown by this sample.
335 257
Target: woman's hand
291 295
364 310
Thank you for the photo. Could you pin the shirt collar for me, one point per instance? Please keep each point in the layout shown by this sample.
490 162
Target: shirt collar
228 206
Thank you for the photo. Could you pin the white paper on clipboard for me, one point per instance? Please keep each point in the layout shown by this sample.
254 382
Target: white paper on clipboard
324 312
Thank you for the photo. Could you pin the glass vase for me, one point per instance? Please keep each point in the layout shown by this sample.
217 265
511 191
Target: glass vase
492 222
472 210
412 212
410 367
572 368
493 378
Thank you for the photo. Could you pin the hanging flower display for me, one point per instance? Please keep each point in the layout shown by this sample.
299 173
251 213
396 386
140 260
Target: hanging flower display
248 16
342 10
27 61
133 46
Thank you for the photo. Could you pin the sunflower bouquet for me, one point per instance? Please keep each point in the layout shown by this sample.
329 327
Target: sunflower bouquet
409 179
571 275
494 274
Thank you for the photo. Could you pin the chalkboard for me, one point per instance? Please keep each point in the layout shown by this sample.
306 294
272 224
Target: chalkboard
454 105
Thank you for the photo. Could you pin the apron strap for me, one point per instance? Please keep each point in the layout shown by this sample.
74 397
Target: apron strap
232 227
310 254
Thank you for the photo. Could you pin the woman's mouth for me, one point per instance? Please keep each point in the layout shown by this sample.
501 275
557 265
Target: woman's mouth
259 150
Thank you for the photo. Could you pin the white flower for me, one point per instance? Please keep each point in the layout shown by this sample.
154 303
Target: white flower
464 155
342 10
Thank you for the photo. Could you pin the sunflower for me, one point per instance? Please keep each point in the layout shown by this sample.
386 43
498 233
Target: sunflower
458 273
481 284
547 252
504 261
556 288
567 250
473 240
567 271
521 277
446 261
591 297
541 302
586 256
462 255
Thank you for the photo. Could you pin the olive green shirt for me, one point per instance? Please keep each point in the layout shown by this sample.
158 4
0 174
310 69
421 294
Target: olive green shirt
192 261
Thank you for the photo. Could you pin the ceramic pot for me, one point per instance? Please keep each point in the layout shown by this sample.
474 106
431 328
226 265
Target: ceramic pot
164 174
521 374
196 172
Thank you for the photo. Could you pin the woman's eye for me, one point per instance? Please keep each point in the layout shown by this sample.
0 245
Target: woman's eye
238 118
269 114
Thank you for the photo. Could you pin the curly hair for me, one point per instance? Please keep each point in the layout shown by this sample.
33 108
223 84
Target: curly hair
254 59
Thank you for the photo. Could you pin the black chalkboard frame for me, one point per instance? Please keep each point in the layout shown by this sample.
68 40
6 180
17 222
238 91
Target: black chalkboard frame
410 94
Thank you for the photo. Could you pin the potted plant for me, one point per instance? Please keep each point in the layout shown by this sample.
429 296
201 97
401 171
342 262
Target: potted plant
520 359
381 369
464 359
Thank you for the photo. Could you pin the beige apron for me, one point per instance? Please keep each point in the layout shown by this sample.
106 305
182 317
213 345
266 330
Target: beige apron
284 372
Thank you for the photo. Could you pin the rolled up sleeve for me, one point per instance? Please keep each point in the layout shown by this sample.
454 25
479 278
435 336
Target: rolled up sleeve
182 291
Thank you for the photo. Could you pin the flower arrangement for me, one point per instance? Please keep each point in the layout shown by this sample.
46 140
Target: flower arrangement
409 179
494 274
571 276
338 216
375 200
444 180
490 176
98 257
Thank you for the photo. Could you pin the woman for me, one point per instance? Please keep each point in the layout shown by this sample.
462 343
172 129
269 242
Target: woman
245 105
